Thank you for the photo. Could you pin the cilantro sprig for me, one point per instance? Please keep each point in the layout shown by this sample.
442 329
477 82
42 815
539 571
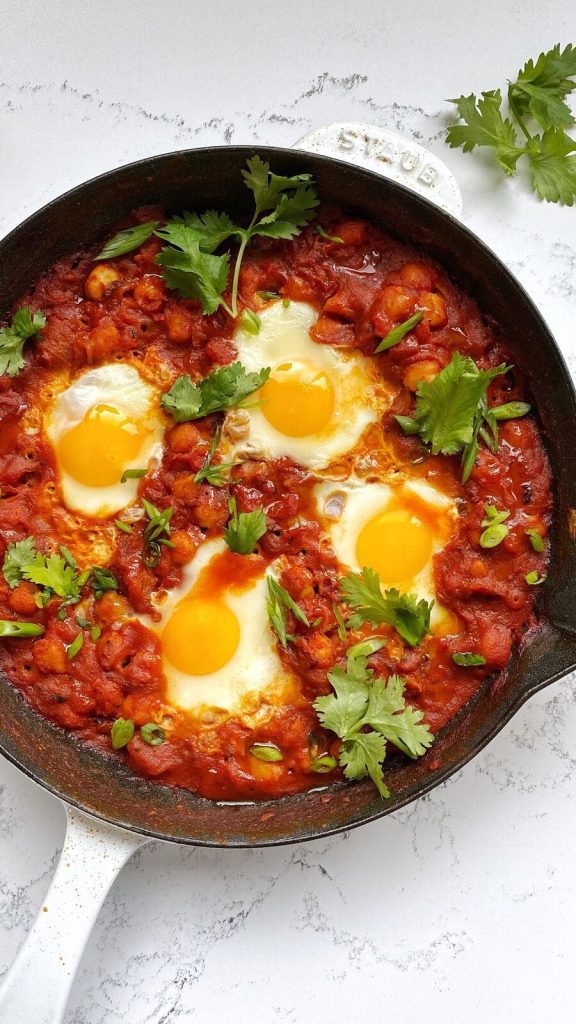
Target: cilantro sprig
23 325
223 388
282 207
537 101
367 713
409 615
452 411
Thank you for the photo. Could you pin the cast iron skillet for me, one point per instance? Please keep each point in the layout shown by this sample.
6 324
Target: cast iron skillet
202 178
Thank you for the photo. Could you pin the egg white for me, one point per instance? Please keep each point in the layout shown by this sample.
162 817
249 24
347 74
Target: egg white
120 386
345 507
360 395
254 678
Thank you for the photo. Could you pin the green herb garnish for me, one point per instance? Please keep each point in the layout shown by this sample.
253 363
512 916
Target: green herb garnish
250 322
103 580
496 530
156 533
266 752
324 763
283 205
452 411
397 333
533 579
467 658
360 701
223 388
122 732
409 615
537 101
510 411
9 627
244 529
278 602
127 240
18 555
75 646
536 540
329 238
153 734
23 325
123 527
132 474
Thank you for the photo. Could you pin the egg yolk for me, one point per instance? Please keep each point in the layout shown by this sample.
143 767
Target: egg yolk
96 451
200 636
297 399
396 545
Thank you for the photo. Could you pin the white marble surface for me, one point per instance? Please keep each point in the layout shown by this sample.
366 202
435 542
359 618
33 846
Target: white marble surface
462 905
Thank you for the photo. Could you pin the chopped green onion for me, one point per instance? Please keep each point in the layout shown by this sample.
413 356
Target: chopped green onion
122 732
366 647
82 622
533 579
536 540
329 238
269 296
152 734
285 303
95 633
396 335
132 474
510 411
467 658
494 535
250 322
323 764
68 556
75 646
9 627
266 752
122 526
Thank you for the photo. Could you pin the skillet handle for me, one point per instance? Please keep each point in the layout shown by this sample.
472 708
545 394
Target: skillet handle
389 154
36 987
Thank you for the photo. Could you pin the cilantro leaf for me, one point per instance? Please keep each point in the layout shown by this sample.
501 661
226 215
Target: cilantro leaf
363 755
127 240
53 573
18 555
541 88
244 529
485 126
278 601
360 702
409 615
221 389
196 275
24 325
206 231
553 166
452 411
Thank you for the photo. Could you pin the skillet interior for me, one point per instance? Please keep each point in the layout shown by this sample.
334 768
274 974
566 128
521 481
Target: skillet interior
211 178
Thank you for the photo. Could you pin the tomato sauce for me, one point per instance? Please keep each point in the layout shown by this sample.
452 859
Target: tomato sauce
361 287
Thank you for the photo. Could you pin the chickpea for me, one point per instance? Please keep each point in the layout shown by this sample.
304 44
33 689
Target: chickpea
150 293
185 488
50 655
99 280
396 302
421 372
416 275
184 437
320 650
184 547
434 309
178 325
111 608
352 232
103 339
23 598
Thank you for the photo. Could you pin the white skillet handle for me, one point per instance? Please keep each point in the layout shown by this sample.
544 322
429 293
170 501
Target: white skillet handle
389 154
36 988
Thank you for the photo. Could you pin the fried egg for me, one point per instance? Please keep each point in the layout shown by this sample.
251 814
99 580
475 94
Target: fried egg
317 402
106 422
218 649
395 530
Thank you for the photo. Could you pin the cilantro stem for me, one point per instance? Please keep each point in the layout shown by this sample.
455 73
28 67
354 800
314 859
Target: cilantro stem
519 119
233 311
